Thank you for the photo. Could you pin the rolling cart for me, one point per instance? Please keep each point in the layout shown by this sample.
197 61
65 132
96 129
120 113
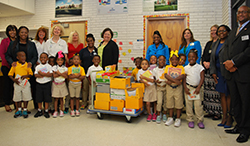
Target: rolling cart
101 112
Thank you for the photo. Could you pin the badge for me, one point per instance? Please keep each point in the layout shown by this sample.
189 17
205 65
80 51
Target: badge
191 44
209 51
245 37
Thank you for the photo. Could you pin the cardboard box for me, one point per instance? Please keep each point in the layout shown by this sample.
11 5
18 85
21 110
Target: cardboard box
120 82
134 85
131 111
133 102
102 105
135 92
103 88
102 96
117 94
117 105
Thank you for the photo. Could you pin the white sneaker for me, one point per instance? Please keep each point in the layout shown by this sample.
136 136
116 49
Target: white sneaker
72 113
177 122
55 114
61 113
169 121
77 113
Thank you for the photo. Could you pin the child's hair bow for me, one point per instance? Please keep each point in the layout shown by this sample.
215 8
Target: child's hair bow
174 53
60 55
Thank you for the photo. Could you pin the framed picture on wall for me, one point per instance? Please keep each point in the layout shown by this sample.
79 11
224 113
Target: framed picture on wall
159 5
68 8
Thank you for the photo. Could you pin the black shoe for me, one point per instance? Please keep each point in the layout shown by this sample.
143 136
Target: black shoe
46 114
233 131
242 138
29 112
38 114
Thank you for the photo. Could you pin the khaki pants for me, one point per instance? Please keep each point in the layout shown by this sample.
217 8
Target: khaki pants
161 98
198 108
85 92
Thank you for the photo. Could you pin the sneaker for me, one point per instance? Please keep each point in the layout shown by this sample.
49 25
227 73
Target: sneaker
149 118
18 114
77 113
25 114
55 114
61 113
90 112
72 113
66 110
38 114
82 107
191 124
169 121
201 125
158 119
46 114
164 118
177 122
154 117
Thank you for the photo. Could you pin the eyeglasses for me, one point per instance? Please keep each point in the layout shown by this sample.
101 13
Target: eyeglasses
222 31
212 30
242 12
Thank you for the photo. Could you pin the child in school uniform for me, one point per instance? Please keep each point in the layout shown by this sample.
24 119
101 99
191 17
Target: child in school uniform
59 88
76 74
95 67
174 73
51 104
153 62
158 73
43 74
150 89
137 62
182 59
22 91
192 84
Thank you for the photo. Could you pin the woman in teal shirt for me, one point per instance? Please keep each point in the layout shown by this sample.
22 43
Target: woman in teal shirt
188 43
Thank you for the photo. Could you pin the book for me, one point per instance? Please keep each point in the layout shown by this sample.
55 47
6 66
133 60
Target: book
193 96
75 70
147 74
152 66
22 82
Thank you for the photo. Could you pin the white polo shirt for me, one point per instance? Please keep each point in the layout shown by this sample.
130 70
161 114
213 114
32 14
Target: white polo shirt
61 69
93 68
52 48
157 72
45 68
193 74
40 48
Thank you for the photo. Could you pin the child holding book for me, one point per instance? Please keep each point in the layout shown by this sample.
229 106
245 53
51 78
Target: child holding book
22 90
76 74
137 62
174 73
145 76
158 73
192 83
59 88
43 74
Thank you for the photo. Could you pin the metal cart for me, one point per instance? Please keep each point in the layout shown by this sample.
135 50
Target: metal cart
101 112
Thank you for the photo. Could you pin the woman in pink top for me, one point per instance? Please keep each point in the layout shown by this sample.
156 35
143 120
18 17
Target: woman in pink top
11 33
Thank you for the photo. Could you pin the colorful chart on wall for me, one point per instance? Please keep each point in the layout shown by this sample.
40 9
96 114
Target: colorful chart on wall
112 6
68 8
159 5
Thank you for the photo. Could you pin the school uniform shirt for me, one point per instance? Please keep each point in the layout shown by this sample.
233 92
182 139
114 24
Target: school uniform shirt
40 48
52 48
93 68
174 72
141 72
75 70
44 68
159 75
134 73
61 69
20 70
193 74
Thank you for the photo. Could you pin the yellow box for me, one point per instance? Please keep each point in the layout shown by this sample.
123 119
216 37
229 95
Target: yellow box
120 83
102 96
133 103
134 92
117 105
103 105
134 85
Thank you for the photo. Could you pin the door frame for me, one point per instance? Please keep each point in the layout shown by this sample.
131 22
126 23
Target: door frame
147 18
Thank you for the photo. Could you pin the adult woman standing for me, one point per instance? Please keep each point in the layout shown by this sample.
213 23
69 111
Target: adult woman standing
158 48
108 49
86 56
218 70
11 33
22 43
74 44
211 103
56 44
188 43
40 39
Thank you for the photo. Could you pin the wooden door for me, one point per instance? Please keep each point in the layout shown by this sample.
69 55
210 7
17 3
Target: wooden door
170 29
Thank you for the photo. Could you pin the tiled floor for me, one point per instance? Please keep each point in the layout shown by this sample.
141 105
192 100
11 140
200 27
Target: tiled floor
87 130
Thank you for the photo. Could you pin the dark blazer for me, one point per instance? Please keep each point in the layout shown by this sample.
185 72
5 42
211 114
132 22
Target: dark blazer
238 49
110 54
31 55
221 58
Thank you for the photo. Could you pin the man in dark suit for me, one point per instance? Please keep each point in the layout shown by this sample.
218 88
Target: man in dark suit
237 55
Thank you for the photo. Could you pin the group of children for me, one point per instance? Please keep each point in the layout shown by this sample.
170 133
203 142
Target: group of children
51 77
169 85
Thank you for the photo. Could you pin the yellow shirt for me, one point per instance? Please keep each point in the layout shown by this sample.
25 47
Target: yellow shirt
134 73
174 72
21 70
100 51
75 70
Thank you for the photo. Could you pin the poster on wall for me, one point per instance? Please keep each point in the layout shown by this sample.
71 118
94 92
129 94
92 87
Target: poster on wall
159 5
68 8
112 6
